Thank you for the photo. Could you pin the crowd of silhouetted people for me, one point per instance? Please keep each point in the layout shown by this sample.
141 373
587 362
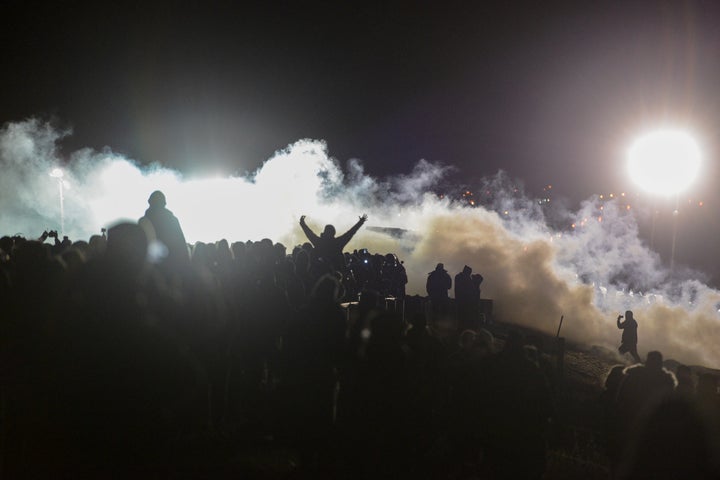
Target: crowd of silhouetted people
657 423
135 354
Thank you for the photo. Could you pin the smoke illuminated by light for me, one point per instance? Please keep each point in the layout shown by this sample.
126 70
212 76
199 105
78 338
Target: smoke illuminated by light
533 273
664 162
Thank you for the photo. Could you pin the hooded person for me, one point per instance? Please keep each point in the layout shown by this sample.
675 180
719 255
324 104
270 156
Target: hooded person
437 286
161 226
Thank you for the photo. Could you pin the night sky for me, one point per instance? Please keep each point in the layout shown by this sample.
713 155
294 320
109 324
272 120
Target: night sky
551 92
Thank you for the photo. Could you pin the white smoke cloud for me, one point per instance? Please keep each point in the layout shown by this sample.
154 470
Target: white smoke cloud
533 272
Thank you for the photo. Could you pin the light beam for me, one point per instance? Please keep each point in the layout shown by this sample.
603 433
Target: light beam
665 162
58 174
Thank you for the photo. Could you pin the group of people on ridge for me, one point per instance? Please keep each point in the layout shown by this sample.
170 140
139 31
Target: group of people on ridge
467 295
114 365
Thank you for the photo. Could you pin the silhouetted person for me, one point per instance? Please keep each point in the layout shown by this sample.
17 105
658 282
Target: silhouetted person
686 384
642 383
6 245
122 375
517 414
709 402
426 380
477 281
465 299
328 247
382 427
629 336
610 424
420 338
161 225
97 245
642 388
437 286
466 379
393 276
314 346
707 391
672 441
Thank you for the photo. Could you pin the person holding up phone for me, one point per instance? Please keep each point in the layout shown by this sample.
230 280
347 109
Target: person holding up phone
628 343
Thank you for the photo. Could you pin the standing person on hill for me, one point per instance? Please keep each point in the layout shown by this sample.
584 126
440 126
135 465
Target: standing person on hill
629 336
328 246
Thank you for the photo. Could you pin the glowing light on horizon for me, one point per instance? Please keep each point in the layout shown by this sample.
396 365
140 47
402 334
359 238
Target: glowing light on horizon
664 162
266 204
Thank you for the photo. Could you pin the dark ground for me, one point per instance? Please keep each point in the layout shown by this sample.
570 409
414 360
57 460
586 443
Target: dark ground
574 441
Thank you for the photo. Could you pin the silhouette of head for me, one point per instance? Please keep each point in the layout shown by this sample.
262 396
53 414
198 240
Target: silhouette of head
467 339
615 376
6 244
157 199
514 342
629 315
467 270
127 246
329 231
440 267
654 360
484 341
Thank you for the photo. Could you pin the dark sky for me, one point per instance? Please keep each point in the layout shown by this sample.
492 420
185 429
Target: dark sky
551 92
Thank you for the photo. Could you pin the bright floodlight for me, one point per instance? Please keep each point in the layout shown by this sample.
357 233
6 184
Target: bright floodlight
664 162
57 173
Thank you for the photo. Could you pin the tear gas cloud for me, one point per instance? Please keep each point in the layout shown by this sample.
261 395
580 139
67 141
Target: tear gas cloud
533 272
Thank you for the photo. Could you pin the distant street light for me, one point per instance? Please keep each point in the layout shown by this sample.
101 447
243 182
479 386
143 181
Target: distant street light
58 174
665 162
